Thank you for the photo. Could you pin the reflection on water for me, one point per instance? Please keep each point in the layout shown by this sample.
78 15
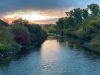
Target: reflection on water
56 56
75 45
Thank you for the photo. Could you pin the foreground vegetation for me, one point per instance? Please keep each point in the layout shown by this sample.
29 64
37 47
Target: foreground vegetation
82 24
18 36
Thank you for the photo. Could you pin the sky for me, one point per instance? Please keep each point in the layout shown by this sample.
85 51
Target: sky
39 11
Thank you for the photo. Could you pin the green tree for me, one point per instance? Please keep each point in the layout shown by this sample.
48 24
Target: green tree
77 15
20 21
7 42
94 9
36 32
85 13
2 23
61 23
21 33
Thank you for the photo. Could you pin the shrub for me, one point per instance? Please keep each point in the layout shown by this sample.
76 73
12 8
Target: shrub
7 41
22 36
95 43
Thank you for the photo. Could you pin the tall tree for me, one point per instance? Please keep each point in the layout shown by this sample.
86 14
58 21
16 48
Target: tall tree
85 13
77 15
94 9
61 23
20 21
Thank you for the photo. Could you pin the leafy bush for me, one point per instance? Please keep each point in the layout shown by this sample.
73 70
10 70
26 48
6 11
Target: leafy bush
22 36
7 41
95 43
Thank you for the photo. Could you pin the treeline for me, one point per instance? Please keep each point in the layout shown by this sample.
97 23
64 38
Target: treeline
50 28
20 35
82 24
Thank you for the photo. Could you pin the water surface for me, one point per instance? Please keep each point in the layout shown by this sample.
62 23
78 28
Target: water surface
54 57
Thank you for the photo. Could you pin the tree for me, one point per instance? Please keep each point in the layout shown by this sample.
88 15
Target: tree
94 8
7 42
77 15
61 23
20 21
22 36
36 33
50 28
85 13
70 22
2 23
27 34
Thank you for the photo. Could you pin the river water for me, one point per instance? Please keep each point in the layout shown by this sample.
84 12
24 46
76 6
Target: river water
54 57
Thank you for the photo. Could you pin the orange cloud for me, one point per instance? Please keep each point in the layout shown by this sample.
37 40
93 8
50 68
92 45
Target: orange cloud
40 17
9 20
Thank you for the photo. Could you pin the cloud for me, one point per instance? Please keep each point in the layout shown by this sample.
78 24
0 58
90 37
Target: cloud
12 5
53 8
35 16
48 21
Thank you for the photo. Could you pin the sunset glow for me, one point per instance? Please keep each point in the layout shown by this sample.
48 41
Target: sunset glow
37 11
31 15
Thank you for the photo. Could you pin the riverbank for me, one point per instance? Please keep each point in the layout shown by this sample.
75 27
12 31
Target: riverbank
22 50
84 43
80 25
54 57
20 36
80 42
